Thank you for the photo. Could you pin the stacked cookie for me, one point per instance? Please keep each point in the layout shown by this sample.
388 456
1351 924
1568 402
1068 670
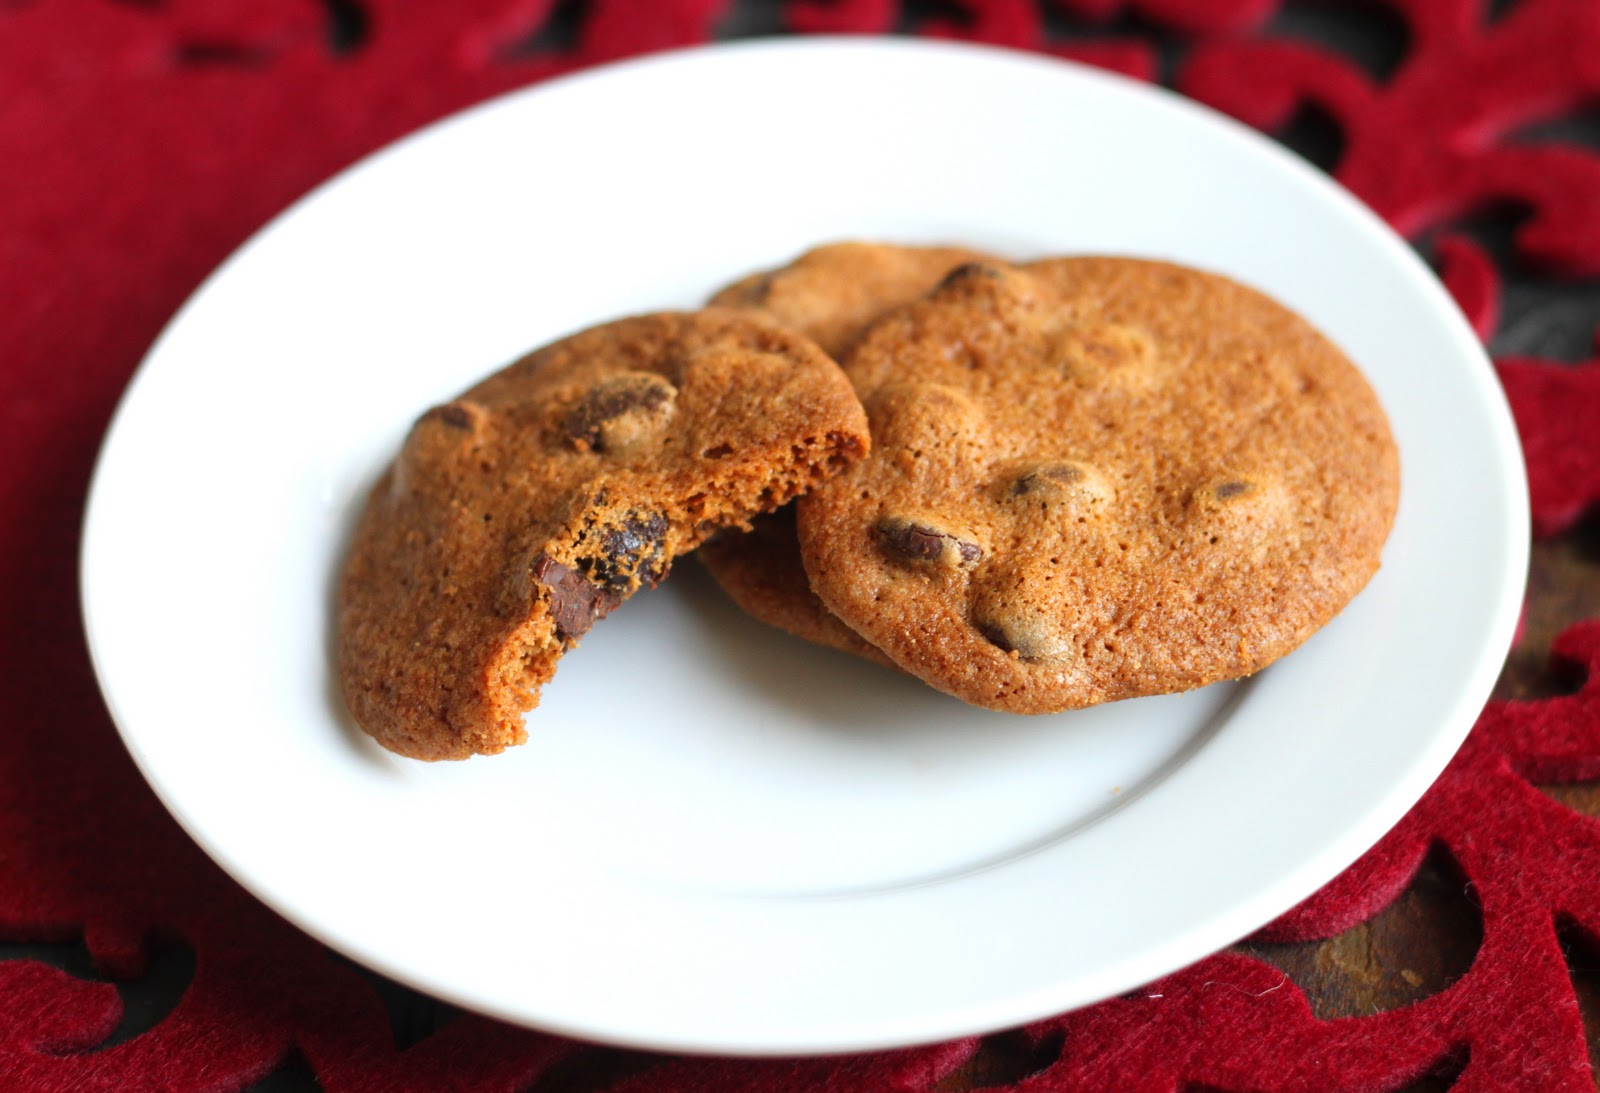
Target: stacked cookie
1088 479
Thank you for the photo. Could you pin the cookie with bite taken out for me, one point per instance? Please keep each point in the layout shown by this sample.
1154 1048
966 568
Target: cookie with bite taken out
532 505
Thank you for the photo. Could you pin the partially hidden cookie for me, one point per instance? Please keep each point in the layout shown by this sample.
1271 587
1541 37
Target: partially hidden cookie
830 294
761 572
1096 478
833 292
520 512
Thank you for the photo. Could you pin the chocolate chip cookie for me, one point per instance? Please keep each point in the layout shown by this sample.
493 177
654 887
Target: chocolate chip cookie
519 513
830 294
1096 478
761 572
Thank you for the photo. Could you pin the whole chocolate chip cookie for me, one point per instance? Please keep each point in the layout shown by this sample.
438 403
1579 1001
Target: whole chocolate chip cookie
1095 478
830 294
536 502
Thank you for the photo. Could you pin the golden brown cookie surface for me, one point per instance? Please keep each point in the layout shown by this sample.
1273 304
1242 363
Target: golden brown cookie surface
1096 478
833 292
533 504
761 572
830 294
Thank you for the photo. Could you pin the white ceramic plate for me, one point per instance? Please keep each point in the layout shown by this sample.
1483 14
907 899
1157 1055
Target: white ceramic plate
718 838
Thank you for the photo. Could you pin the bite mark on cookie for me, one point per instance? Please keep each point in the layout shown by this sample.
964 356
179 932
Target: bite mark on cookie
575 602
520 513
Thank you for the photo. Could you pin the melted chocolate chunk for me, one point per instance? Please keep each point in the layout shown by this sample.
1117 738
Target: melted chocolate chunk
918 542
1046 478
621 412
996 637
613 560
616 556
969 270
452 414
575 602
757 291
1029 636
455 416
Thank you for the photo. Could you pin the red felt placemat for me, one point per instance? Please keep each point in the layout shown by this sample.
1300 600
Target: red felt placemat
143 140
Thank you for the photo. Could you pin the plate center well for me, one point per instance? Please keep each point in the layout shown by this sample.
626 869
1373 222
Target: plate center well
688 743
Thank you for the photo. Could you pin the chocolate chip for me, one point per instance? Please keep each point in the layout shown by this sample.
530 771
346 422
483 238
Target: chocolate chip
1047 478
1029 636
969 271
619 414
1078 487
995 636
575 603
1231 489
1105 354
453 414
757 290
621 556
612 561
918 542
